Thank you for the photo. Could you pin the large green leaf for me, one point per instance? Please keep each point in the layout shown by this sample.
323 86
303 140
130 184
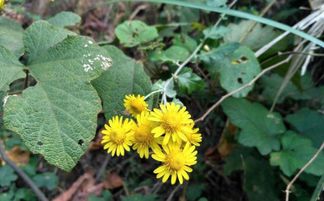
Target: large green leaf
236 65
133 33
250 34
126 76
11 36
58 117
259 180
259 128
296 152
65 19
309 123
40 36
10 68
271 85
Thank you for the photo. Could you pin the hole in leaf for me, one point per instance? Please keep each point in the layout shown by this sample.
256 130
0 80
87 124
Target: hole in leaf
17 86
80 142
39 143
240 80
241 60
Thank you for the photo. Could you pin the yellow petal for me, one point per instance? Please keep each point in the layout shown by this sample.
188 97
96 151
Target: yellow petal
158 131
165 177
173 178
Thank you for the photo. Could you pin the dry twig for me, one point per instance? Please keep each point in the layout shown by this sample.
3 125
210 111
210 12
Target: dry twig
21 173
241 88
287 191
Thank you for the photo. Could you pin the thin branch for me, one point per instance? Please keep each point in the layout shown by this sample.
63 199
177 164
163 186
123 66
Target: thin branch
263 12
137 10
302 170
21 173
170 198
102 168
192 55
241 88
303 53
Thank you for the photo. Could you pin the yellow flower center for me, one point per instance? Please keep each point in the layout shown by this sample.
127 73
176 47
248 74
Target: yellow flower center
143 134
175 160
137 107
170 123
117 137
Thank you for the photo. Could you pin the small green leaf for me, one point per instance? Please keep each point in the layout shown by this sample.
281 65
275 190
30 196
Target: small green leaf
194 191
139 197
106 196
259 128
296 152
11 36
7 196
24 194
41 36
7 176
189 82
173 54
183 40
58 117
237 66
169 90
126 76
133 33
176 54
46 180
309 123
65 19
216 32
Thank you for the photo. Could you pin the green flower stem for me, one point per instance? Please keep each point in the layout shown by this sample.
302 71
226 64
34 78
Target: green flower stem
152 93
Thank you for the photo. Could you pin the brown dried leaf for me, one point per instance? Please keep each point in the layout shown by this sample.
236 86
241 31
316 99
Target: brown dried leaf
113 180
19 156
226 143
69 194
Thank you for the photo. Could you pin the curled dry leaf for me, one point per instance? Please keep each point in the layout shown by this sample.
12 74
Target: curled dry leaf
67 195
226 143
18 156
96 143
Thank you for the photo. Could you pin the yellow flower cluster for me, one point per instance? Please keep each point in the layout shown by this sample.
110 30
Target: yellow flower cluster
167 132
2 4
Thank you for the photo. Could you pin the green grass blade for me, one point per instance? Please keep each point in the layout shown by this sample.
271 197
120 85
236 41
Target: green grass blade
318 189
234 13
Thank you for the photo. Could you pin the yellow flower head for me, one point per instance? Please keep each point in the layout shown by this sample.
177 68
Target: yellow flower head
118 135
143 137
135 105
171 119
175 162
2 4
193 135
